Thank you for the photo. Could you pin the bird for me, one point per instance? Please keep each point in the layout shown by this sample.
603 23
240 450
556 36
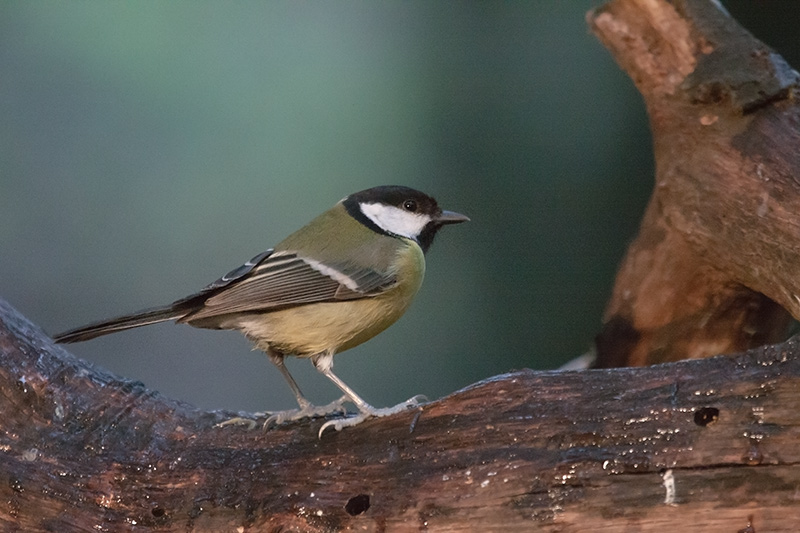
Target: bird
330 286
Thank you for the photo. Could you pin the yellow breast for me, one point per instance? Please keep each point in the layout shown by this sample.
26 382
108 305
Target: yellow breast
337 326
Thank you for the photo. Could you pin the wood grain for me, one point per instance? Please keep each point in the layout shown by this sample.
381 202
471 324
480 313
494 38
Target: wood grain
714 268
83 450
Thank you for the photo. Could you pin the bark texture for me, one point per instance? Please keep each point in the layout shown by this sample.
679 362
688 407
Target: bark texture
697 445
716 265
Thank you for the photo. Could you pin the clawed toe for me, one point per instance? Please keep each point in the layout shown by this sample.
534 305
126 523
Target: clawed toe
237 421
414 401
308 411
336 407
340 423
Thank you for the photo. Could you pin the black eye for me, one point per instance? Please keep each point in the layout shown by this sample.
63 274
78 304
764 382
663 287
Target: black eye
410 205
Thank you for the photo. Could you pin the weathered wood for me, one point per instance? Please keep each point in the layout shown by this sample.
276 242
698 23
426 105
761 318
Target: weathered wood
716 265
82 450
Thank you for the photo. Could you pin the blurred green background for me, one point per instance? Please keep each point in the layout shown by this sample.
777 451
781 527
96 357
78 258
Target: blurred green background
149 147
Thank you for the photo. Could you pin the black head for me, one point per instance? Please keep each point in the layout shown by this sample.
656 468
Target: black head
400 211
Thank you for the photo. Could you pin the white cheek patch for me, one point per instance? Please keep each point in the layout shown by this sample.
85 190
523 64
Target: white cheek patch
396 220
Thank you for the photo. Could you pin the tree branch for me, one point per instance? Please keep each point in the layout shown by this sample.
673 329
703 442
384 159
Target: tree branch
82 449
714 267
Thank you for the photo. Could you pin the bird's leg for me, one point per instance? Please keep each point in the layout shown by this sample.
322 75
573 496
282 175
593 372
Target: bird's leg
323 363
307 409
278 360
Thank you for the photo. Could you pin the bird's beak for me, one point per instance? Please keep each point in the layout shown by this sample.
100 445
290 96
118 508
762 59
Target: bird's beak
451 217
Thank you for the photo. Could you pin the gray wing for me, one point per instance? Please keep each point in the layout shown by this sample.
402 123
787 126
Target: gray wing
273 280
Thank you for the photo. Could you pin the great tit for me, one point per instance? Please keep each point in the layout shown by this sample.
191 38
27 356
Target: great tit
332 285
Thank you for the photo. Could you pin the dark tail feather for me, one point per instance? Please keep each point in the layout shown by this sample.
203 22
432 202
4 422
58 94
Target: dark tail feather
112 325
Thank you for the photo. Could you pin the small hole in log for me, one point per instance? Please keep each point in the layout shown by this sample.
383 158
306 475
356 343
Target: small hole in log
158 512
706 416
357 504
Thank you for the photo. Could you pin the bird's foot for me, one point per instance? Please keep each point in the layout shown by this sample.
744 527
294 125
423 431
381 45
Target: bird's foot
307 411
240 421
369 412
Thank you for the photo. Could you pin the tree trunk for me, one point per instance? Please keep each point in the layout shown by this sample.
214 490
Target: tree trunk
715 267
708 444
